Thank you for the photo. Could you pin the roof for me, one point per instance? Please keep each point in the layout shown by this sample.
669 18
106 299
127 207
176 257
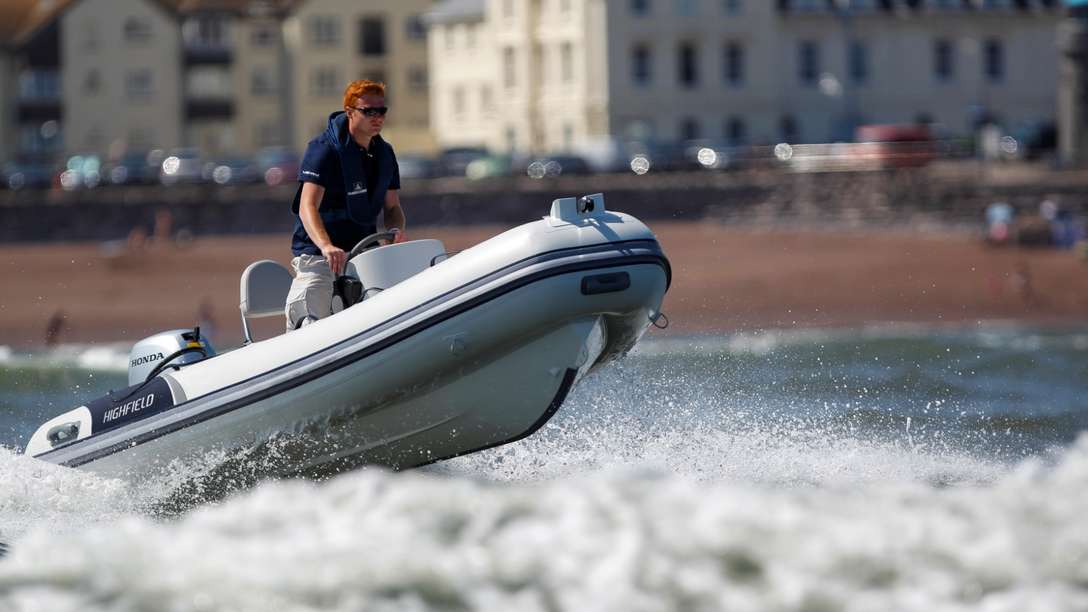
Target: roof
233 6
20 19
456 11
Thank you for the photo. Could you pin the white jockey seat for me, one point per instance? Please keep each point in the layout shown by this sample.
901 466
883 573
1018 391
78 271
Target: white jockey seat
264 290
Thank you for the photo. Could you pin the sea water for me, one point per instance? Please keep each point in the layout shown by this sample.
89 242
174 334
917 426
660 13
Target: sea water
887 468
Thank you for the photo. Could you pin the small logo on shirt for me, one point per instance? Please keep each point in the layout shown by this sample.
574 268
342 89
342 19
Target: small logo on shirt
357 189
313 174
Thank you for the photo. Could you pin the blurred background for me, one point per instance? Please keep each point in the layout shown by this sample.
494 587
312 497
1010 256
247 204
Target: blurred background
131 123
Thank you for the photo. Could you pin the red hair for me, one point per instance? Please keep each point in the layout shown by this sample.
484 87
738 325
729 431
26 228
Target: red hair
364 87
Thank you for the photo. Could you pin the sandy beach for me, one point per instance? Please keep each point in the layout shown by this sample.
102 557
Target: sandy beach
724 279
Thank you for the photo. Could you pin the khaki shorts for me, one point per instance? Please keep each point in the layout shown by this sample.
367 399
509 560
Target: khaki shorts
310 297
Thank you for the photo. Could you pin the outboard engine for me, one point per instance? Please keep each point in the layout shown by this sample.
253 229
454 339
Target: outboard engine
176 347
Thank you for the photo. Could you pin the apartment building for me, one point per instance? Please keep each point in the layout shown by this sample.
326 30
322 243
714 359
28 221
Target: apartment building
31 123
332 42
195 73
121 76
571 74
235 86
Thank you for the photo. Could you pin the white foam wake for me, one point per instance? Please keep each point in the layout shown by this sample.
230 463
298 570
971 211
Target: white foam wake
600 540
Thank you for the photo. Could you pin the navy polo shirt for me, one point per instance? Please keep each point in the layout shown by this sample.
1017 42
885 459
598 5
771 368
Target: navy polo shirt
321 165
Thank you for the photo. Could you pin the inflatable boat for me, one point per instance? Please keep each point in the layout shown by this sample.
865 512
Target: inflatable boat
430 356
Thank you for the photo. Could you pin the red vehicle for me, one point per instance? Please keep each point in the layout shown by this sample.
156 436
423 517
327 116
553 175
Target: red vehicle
895 146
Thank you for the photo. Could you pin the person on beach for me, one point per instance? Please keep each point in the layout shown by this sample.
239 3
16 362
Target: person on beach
347 176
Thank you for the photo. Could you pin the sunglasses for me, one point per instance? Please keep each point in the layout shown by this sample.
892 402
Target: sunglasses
373 111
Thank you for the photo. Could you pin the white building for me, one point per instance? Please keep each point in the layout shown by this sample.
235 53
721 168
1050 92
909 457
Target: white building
552 75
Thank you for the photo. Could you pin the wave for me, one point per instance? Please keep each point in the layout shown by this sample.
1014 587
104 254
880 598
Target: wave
103 357
597 539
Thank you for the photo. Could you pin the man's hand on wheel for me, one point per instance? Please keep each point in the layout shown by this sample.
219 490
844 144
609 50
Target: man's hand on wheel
336 258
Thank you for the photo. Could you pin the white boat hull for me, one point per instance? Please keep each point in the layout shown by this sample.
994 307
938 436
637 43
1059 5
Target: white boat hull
438 366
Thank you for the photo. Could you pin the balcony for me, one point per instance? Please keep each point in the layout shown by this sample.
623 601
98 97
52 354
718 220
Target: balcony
203 108
37 110
208 55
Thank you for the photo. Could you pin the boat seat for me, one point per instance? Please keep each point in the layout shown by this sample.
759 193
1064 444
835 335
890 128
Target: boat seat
264 290
381 268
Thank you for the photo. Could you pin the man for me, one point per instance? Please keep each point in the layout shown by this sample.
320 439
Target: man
348 175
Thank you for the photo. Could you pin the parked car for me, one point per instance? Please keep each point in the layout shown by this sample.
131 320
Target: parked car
555 165
234 170
416 166
455 161
276 165
643 157
710 155
182 166
489 166
894 146
135 168
29 174
81 171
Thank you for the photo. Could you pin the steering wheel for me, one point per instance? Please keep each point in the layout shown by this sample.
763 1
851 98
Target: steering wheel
371 241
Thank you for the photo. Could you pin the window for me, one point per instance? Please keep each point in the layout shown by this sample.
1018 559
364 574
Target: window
995 60
640 8
324 82
39 85
487 101
459 100
212 82
689 129
137 31
566 63
324 32
641 65
688 68
808 62
944 60
138 84
262 36
859 62
417 78
206 31
372 36
731 7
509 68
447 33
736 132
686 8
41 139
92 83
414 28
568 136
262 82
734 63
508 9
91 38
